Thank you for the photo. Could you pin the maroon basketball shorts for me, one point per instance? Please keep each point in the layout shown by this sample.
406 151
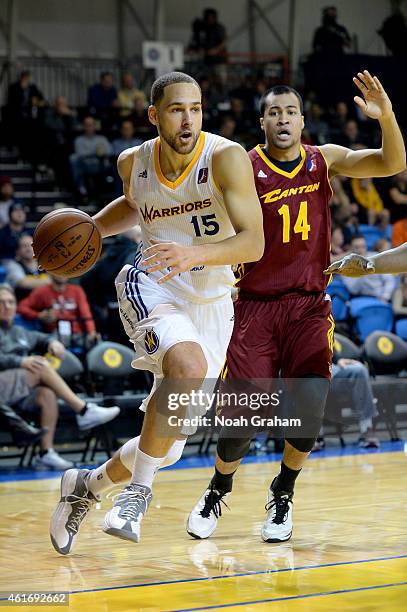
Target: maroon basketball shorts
290 336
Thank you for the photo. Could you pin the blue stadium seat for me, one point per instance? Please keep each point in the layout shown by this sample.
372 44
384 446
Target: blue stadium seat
26 323
358 303
340 296
371 234
401 328
374 317
3 273
389 232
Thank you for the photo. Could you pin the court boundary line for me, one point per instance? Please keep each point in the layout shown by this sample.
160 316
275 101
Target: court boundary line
291 597
239 575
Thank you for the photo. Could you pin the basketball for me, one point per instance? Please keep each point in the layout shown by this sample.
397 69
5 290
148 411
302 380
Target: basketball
67 242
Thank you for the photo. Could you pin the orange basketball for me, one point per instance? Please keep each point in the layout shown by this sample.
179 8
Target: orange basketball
67 242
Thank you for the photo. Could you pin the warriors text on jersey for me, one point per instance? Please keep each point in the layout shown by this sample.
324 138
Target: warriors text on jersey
189 211
297 228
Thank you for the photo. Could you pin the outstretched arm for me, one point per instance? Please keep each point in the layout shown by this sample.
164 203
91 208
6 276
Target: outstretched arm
386 161
121 214
234 174
393 261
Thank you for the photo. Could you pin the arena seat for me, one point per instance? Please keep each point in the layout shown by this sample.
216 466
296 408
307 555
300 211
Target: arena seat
340 297
371 314
31 325
401 328
344 348
371 234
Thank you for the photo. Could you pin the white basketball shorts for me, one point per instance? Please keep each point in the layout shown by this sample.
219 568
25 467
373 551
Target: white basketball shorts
155 320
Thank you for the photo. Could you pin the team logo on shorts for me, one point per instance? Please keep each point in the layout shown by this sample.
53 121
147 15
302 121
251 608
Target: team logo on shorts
151 341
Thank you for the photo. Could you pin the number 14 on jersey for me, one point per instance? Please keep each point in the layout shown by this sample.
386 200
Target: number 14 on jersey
301 225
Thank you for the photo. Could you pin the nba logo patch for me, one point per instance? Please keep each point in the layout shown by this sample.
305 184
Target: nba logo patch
312 165
151 341
202 175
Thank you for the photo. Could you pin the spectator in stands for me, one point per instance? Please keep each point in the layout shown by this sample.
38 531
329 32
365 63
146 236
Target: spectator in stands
400 298
140 120
209 41
338 120
398 196
338 247
353 376
6 199
63 307
91 157
59 123
380 286
350 134
12 231
399 232
331 39
99 286
23 273
317 127
128 94
102 97
24 103
227 129
370 207
127 138
28 381
381 245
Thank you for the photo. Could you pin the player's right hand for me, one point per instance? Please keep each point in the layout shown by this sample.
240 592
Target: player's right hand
34 364
352 265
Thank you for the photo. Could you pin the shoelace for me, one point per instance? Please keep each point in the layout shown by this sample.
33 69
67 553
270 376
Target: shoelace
281 504
213 501
132 500
80 509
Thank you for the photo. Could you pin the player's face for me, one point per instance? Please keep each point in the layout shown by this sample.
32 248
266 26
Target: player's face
178 117
282 121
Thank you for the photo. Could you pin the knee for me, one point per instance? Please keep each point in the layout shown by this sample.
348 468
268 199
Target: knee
185 363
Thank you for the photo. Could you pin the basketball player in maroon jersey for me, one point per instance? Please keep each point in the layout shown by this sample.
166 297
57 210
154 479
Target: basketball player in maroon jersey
283 321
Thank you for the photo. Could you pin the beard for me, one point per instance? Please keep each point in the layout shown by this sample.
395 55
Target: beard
173 140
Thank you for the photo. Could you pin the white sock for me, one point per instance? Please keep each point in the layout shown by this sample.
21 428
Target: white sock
174 454
98 480
128 453
145 468
365 425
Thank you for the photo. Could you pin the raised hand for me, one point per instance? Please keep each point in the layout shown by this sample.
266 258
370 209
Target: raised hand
375 102
352 265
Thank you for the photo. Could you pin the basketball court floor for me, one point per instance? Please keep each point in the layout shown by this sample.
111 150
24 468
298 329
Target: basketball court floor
348 550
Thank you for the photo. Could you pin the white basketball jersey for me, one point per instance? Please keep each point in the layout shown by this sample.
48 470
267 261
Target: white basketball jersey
190 211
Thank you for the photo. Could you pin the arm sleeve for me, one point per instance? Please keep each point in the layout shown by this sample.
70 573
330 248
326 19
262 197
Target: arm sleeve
7 362
30 306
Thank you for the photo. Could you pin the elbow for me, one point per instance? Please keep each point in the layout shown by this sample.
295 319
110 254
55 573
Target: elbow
258 247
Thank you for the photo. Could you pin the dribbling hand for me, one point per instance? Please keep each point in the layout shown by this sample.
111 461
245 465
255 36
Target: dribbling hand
169 255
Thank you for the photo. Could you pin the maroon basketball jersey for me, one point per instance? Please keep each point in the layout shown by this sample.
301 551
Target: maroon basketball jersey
297 226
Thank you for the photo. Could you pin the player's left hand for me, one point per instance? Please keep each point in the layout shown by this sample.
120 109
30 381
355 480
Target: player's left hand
352 265
375 102
163 255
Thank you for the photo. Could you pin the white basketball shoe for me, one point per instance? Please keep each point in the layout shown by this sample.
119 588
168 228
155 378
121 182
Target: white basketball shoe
203 519
124 519
278 525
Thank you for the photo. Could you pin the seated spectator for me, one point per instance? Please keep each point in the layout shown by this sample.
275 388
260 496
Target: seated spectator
331 38
354 376
380 286
6 199
338 120
28 381
12 231
91 157
61 307
342 211
23 273
317 127
59 124
99 283
338 248
400 298
398 196
399 232
350 135
102 97
140 120
227 129
371 210
126 140
128 94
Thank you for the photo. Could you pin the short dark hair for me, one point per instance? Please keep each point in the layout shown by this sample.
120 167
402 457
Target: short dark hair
357 237
278 90
157 89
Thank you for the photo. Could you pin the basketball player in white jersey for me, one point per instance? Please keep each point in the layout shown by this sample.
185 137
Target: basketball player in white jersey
193 194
